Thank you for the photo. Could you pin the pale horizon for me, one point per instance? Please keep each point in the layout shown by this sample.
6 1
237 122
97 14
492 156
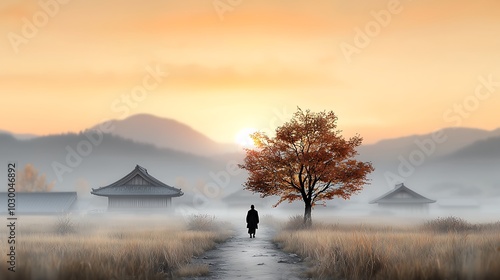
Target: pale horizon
240 136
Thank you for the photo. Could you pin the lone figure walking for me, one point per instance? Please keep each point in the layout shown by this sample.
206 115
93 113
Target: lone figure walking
252 221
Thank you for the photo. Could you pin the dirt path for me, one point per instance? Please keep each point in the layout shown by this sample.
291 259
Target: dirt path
242 257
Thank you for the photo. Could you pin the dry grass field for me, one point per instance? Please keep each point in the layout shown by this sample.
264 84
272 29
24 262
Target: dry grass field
447 248
109 248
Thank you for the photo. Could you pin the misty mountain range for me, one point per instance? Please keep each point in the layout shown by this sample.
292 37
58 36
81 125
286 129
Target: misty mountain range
169 134
465 162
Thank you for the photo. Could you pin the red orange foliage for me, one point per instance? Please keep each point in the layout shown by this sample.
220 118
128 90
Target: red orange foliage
307 160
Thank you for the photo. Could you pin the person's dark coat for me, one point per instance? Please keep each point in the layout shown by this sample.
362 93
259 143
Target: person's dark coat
252 219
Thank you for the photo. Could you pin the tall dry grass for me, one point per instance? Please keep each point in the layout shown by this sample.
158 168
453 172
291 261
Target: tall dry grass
118 248
420 252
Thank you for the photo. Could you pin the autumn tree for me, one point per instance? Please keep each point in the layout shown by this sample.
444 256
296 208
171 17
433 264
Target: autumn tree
306 160
28 180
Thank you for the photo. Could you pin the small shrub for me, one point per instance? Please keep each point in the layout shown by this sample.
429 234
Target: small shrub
64 225
490 226
449 224
202 222
295 223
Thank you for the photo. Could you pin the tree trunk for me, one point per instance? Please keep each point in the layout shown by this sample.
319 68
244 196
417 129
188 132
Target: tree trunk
307 215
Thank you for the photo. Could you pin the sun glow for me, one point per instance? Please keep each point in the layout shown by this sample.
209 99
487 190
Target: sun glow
243 138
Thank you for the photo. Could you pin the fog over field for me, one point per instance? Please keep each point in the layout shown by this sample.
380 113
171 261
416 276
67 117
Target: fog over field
455 166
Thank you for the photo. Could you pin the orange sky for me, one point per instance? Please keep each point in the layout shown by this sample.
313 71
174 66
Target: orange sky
250 65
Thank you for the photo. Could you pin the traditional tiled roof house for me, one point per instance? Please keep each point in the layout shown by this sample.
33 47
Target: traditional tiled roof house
137 190
401 197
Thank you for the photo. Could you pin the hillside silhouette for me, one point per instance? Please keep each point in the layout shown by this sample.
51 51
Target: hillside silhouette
467 162
168 133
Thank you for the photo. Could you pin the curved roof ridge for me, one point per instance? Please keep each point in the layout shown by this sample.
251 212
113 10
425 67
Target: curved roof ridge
400 187
143 173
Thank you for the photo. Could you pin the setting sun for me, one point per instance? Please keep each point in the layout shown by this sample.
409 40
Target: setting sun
243 138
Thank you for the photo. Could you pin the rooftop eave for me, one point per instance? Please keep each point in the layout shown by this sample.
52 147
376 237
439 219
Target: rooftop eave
94 193
134 194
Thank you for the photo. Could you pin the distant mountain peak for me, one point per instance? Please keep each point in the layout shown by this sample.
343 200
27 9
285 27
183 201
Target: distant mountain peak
168 133
456 138
152 118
